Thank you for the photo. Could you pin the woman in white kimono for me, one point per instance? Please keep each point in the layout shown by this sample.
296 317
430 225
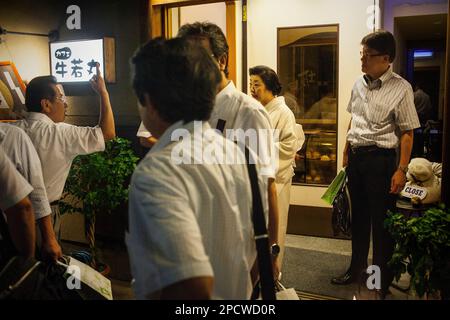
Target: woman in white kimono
266 87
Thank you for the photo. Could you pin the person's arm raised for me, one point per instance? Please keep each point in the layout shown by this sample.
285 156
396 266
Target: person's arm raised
106 118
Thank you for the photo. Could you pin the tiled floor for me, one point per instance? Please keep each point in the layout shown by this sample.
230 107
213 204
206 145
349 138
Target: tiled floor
120 277
343 247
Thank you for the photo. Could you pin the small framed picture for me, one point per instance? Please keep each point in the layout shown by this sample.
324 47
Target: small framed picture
12 92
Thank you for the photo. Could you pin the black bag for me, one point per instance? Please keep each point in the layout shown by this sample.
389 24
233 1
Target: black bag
342 212
24 278
30 279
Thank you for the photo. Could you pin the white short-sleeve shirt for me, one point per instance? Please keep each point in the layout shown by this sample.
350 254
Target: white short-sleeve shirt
188 220
237 110
20 150
57 144
13 187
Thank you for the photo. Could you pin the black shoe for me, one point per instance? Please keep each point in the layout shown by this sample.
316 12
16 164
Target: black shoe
345 279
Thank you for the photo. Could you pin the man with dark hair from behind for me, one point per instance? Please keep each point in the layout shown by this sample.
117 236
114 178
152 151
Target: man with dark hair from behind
236 110
58 143
382 122
190 230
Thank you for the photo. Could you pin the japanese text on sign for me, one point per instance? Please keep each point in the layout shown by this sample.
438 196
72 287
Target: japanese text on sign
75 61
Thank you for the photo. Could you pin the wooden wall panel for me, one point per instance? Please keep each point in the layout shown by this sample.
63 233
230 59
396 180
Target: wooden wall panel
231 39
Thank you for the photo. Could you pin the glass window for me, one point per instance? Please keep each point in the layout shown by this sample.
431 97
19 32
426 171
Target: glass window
308 70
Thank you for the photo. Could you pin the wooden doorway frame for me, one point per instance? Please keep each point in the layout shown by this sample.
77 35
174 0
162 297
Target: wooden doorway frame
445 192
158 22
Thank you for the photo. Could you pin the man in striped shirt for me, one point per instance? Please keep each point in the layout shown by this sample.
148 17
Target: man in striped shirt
382 124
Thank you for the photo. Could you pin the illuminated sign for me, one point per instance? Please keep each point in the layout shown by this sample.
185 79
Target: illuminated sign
75 61
423 54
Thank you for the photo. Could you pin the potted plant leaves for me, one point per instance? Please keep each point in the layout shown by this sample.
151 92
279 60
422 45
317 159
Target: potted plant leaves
422 248
98 183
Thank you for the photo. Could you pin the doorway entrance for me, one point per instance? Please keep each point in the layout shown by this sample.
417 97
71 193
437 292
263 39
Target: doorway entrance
421 60
166 17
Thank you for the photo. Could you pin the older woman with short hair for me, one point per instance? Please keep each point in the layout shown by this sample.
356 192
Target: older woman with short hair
266 88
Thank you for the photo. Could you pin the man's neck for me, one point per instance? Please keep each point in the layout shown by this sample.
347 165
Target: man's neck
378 75
224 82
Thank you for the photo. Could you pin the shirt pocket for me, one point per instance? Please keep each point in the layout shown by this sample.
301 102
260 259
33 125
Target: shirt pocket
379 113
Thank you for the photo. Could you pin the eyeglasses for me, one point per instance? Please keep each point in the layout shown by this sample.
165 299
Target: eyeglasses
63 99
368 55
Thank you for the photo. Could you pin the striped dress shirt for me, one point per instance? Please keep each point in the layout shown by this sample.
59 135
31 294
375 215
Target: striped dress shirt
381 110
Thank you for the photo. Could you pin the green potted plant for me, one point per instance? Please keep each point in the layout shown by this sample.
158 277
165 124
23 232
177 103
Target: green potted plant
422 248
99 183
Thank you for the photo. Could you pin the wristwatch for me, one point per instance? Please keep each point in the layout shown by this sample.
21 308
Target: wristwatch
275 250
403 169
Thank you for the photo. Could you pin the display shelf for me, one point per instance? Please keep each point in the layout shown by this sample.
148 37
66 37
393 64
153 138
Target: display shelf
316 162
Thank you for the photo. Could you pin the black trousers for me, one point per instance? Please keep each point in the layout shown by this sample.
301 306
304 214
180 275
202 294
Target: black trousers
369 181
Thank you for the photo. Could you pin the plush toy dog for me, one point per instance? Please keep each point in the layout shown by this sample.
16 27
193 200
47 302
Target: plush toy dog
422 174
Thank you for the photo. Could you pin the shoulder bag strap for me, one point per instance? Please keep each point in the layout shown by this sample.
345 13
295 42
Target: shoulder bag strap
261 235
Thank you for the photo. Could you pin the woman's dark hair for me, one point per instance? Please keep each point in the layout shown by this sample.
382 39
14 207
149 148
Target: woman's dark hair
213 33
39 88
179 76
381 41
269 77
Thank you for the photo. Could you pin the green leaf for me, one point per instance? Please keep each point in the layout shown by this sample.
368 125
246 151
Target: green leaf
101 180
422 248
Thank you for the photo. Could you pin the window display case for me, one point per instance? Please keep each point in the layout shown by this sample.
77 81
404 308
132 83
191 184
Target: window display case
308 70
316 161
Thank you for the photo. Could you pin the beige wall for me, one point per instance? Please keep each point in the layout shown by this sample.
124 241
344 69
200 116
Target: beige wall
216 13
211 12
29 53
265 16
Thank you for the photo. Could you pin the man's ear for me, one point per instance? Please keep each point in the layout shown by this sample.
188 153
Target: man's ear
45 106
223 62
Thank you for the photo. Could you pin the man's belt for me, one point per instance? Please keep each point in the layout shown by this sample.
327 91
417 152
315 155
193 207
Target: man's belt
368 149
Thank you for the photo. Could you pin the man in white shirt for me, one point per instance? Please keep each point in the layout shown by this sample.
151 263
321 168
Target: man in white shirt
190 230
234 110
20 150
14 202
58 143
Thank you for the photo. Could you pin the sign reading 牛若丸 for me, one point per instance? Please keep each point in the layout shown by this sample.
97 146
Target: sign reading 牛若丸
75 61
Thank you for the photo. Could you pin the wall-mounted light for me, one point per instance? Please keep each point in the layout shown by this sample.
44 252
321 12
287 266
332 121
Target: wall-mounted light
52 35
